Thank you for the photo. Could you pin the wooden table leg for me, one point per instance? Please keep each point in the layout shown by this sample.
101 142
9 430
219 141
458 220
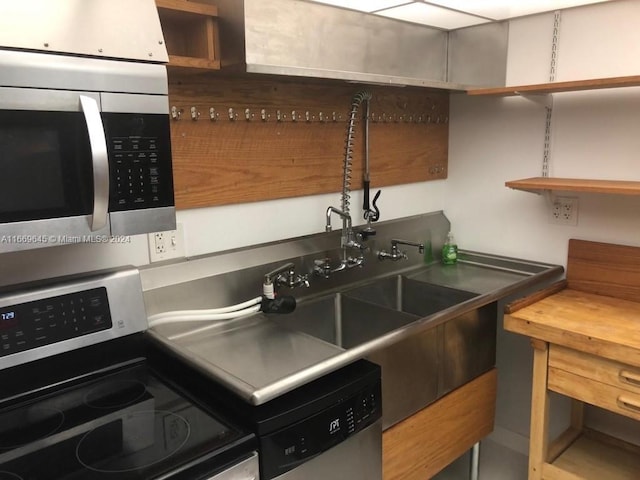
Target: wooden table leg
538 442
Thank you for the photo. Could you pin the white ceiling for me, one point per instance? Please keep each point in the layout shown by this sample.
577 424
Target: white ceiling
452 14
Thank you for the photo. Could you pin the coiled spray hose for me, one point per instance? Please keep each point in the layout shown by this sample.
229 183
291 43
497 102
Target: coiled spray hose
358 98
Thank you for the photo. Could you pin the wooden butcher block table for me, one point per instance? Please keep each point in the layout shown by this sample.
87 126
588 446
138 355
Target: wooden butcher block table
585 332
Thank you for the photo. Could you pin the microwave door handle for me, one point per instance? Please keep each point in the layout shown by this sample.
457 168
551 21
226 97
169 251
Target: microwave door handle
97 140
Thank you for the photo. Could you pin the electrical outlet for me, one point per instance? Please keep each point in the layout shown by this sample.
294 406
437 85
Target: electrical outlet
564 211
166 245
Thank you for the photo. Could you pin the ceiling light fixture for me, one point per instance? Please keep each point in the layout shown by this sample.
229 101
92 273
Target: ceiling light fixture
453 14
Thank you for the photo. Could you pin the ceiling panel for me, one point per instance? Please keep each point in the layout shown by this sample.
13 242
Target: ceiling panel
364 5
432 15
453 14
504 9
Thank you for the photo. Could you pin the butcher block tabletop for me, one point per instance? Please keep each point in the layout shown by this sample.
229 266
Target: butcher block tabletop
597 310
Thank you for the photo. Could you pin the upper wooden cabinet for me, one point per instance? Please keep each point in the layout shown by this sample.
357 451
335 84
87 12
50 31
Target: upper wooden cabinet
191 33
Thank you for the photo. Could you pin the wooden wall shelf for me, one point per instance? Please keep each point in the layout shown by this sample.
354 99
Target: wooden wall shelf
556 87
539 184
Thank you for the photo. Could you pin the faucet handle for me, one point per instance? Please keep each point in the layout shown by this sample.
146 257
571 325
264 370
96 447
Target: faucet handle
299 281
355 244
322 267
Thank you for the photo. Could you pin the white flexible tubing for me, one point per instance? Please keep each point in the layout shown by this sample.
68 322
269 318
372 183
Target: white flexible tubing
211 311
200 317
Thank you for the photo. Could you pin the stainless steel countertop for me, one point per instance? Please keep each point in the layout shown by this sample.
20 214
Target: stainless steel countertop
260 360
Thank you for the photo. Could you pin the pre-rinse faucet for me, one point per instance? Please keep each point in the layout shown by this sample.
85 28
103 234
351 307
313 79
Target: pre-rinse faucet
323 267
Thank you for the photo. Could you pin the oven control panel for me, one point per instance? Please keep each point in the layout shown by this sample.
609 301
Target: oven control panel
292 445
50 320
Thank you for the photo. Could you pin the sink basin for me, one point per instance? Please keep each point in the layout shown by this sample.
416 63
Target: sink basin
343 321
420 368
410 296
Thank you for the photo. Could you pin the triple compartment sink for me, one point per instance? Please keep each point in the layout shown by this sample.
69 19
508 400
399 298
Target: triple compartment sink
368 312
421 367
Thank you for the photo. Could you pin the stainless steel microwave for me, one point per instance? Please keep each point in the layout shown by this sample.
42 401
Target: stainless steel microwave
85 150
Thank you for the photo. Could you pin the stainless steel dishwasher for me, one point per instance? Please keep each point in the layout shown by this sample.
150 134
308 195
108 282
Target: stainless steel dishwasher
330 428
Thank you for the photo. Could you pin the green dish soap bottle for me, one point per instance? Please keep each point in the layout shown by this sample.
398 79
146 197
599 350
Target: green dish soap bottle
449 250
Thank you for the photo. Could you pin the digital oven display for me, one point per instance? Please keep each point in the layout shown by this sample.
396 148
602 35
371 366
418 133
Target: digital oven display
8 319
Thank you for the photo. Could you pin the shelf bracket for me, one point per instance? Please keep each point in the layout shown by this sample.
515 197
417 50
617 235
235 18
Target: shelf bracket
550 196
544 99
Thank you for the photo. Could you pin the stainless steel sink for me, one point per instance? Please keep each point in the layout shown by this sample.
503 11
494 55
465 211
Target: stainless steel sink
343 321
411 296
417 369
423 367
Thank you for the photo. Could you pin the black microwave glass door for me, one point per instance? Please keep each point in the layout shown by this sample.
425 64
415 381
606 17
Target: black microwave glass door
45 166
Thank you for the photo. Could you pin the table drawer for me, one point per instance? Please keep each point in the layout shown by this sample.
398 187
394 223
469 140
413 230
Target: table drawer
596 368
596 393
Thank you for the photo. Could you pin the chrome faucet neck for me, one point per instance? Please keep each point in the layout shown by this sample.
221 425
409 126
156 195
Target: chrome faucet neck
346 219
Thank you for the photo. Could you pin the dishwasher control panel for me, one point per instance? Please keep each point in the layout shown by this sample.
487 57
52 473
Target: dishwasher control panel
291 446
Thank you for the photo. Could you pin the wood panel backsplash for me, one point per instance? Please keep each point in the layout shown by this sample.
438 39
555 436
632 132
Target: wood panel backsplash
223 162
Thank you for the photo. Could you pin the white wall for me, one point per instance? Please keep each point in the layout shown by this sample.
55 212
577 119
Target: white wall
594 135
221 228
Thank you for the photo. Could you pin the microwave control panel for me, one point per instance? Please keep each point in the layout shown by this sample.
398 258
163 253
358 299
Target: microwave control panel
137 174
51 320
140 161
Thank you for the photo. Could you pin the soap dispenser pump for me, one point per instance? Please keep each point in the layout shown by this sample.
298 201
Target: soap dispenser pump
449 250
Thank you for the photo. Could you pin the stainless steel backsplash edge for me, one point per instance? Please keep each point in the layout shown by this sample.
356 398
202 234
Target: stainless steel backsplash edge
233 276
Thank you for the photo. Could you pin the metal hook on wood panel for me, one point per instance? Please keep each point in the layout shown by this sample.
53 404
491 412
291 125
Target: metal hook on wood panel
176 113
195 114
213 115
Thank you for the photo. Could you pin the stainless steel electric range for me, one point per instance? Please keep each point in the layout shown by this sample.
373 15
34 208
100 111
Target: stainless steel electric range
82 398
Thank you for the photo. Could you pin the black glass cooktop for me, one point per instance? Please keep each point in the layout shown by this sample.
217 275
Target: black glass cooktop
123 423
